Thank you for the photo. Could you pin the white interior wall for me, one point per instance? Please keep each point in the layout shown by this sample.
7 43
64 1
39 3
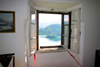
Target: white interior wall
15 42
91 16
89 40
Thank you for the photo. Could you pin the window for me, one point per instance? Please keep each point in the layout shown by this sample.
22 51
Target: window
49 32
75 28
66 29
31 31
42 33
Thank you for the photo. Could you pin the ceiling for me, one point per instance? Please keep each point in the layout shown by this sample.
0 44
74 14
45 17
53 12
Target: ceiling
47 5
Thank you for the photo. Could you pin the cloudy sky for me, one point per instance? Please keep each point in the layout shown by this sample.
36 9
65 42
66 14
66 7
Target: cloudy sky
48 19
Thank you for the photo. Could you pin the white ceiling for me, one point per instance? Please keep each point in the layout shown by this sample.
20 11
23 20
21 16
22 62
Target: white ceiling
57 5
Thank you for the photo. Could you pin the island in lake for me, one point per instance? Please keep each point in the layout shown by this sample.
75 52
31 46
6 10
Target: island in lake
51 36
50 33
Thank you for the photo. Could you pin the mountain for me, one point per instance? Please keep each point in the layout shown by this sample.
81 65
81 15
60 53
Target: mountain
54 29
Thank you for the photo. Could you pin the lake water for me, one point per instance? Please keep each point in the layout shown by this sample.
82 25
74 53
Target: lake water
43 41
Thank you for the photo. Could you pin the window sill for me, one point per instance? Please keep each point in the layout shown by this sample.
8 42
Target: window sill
51 50
32 53
74 51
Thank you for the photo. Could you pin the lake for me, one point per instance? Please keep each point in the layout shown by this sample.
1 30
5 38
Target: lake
43 41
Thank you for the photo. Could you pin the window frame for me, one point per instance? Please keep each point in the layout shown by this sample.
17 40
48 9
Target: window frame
62 22
30 32
68 47
69 36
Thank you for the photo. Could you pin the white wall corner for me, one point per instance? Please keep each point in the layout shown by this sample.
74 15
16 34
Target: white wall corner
74 8
31 4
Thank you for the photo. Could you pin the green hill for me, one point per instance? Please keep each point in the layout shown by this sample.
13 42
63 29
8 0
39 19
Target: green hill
54 29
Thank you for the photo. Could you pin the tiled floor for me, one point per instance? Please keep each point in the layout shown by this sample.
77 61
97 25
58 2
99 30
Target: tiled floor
59 59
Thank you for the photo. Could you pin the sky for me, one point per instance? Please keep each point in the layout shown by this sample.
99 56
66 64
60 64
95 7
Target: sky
48 19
